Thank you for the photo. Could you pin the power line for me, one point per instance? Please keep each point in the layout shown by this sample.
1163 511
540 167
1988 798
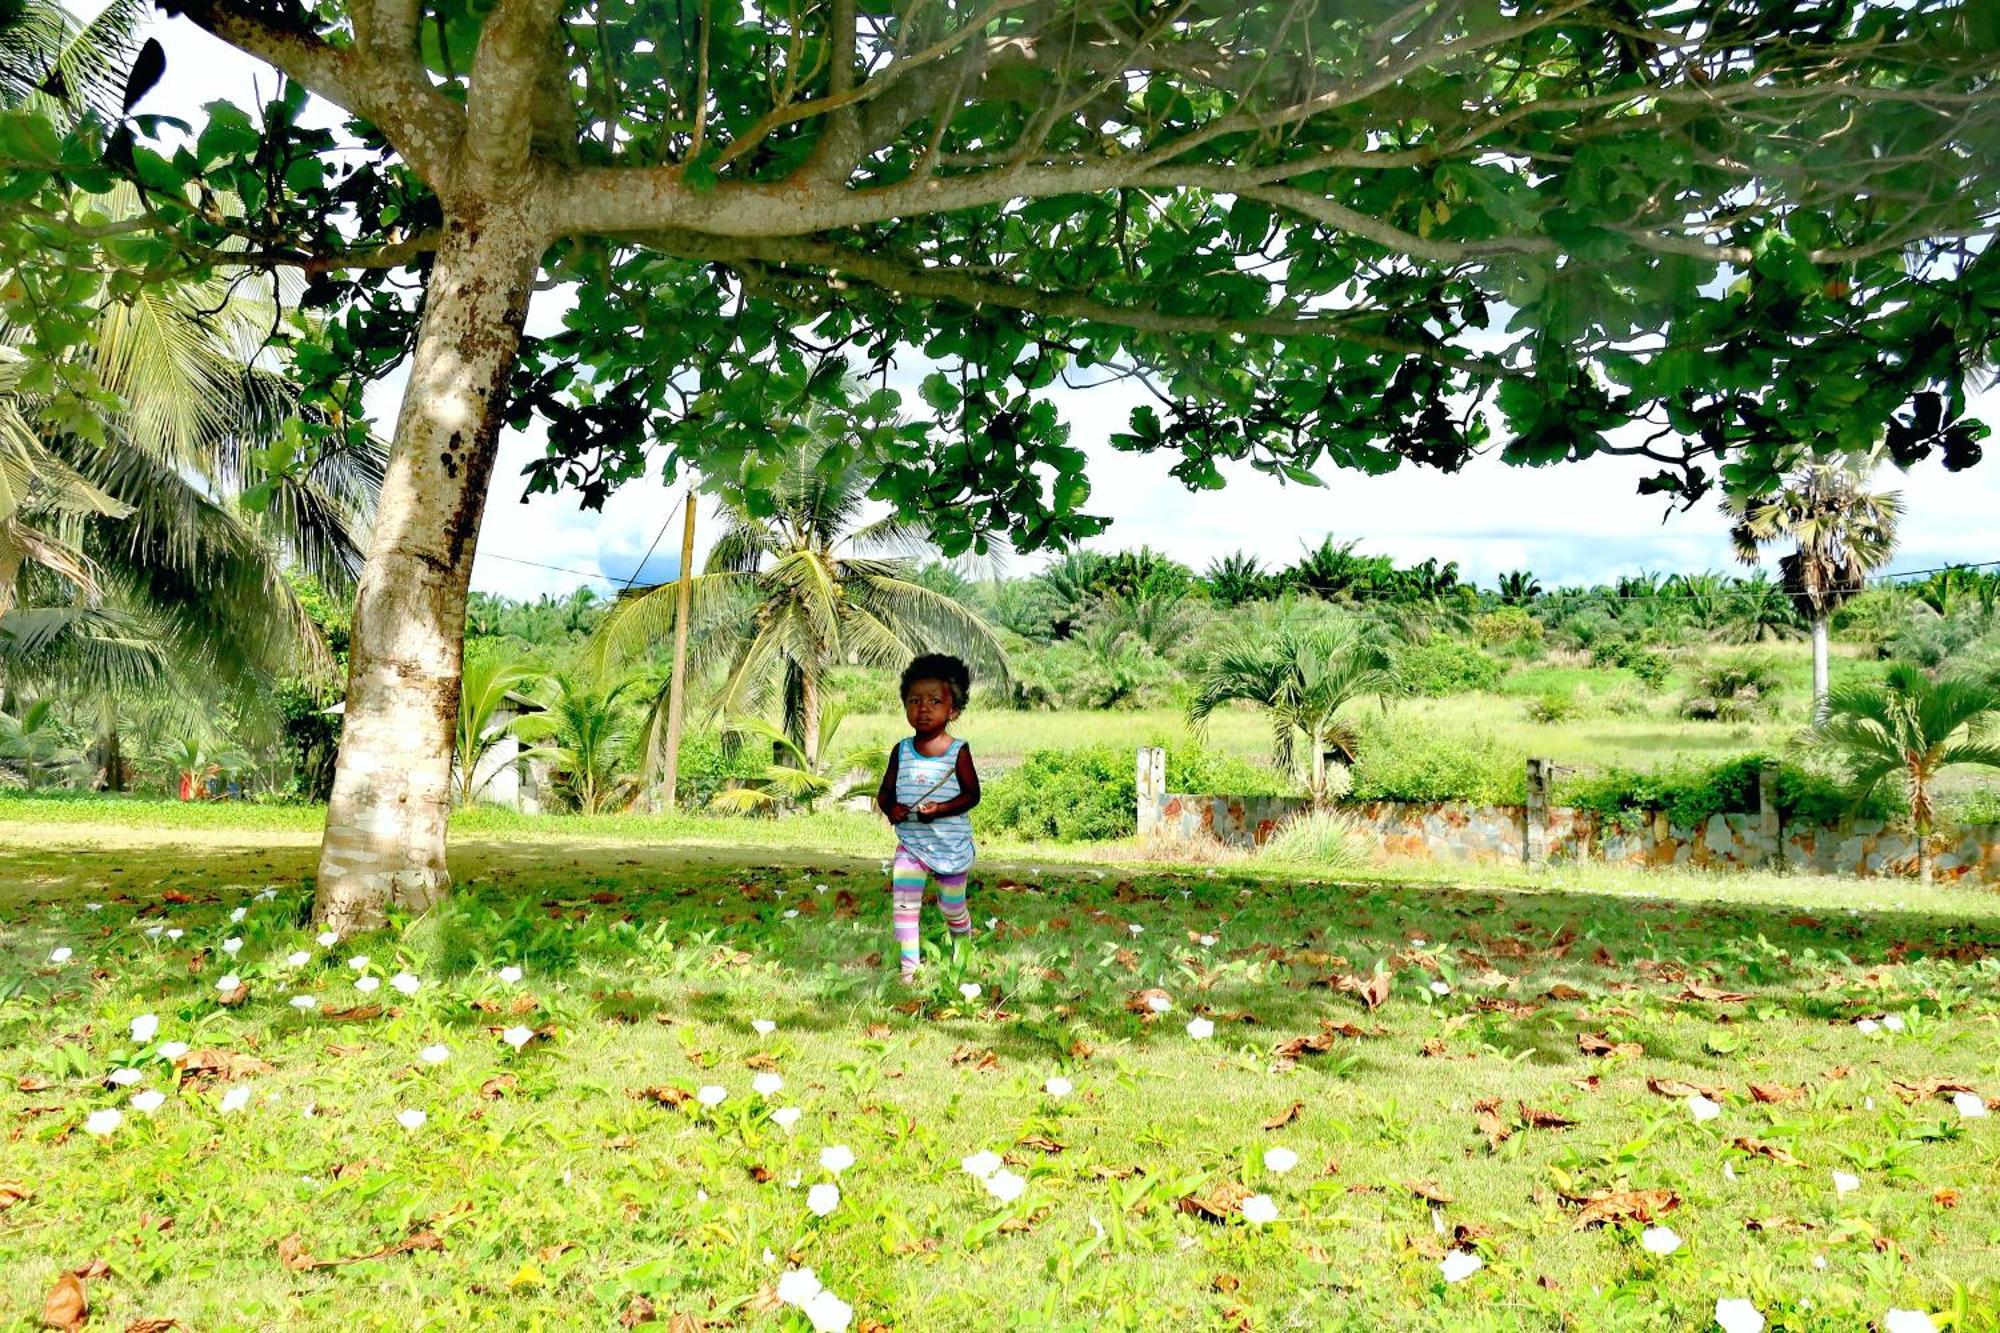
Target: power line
656 542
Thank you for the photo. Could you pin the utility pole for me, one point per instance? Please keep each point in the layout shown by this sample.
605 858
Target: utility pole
677 687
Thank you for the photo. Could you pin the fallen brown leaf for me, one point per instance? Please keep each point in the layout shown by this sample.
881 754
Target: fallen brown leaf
1759 1148
1772 1092
212 1065
499 1086
1222 1199
92 1269
1603 1206
1225 1283
1562 992
1535 1119
1945 1197
1596 1043
30 1083
152 1326
978 1057
1285 1117
359 1013
1427 1191
1925 1089
1141 1002
664 1096
66 1305
1677 1089
1041 1143
1372 990
1486 1115
1709 994
292 1252
13 1192
230 999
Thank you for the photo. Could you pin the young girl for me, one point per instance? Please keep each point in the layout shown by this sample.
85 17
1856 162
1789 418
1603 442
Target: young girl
927 790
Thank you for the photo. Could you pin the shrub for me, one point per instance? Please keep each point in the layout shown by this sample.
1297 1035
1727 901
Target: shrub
1323 839
1733 691
1692 794
1554 706
1445 666
1981 806
1399 762
707 766
1626 702
1090 793
1510 627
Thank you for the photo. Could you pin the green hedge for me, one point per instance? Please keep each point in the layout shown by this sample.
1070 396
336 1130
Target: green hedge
1692 794
1091 793
1402 762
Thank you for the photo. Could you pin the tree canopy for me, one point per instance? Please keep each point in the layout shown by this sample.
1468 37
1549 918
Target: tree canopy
1320 235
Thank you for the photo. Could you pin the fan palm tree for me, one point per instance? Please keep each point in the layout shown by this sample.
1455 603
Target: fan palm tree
797 777
1301 679
1840 532
1910 728
787 597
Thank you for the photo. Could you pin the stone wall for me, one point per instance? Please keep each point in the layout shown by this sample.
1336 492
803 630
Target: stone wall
1498 834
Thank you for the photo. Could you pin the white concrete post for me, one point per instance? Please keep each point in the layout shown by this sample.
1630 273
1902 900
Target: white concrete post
1151 784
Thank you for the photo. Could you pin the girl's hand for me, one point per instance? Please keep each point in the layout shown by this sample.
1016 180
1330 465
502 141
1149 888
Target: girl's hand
898 814
927 811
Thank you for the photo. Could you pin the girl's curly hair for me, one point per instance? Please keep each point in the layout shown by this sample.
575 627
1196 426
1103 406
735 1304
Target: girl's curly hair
956 675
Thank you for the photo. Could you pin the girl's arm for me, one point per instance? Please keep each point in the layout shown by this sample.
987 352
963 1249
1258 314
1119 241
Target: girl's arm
968 790
885 795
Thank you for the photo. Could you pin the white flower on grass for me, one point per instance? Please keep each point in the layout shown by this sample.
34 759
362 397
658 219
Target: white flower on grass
518 1036
93 907
305 1002
819 888
327 938
1738 1316
1969 1104
1280 1160
149 1101
992 921
837 1158
763 1027
828 1313
1440 988
1729 1172
1259 1210
228 982
153 932
1418 941
1208 941
175 932
60 954
411 1119
982 1164
1659 1240
764 1085
173 1050
1058 1086
144 1026
298 958
1201 1029
791 913
359 962
970 990
1908 1321
1136 928
233 945
1819 1262
511 974
1894 1022
268 895
405 984
1703 1108
1460 1265
1159 1004
1867 1025
1005 1186
797 1286
103 1122
785 1116
237 916
235 1100
823 1198
710 1095
367 985
1844 1183
435 1054
124 1078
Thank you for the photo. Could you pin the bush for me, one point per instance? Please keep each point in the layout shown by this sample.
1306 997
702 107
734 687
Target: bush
1733 691
706 767
1692 794
1973 807
1642 659
1445 666
1323 839
1404 763
1554 706
1090 793
1509 628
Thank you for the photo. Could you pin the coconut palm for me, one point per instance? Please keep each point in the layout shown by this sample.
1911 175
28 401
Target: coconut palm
52 62
484 690
1909 728
35 744
797 777
1301 679
787 597
1840 531
586 729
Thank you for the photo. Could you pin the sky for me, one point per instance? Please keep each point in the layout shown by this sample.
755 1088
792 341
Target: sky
1574 523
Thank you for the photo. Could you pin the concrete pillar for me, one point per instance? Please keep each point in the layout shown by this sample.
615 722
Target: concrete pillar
1535 840
1770 831
1152 788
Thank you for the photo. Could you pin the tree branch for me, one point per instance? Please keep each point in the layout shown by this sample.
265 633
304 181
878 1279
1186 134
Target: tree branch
514 46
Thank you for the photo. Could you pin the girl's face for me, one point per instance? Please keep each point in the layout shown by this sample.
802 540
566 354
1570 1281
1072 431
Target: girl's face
929 706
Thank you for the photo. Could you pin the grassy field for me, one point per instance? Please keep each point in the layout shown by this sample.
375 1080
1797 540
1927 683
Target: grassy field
580 1178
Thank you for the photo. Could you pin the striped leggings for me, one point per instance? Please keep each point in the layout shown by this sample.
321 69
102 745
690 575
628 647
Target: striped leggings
906 887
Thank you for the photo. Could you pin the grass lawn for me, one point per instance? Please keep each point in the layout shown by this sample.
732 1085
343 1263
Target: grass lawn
580 1178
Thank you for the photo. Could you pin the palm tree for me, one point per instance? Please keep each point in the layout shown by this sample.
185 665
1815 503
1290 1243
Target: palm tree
786 598
1518 587
1236 578
1840 531
1301 679
35 743
1911 727
796 777
587 727
483 691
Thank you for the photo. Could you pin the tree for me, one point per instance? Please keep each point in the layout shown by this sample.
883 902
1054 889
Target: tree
35 743
798 777
1518 587
1908 729
488 683
586 727
1030 186
1236 578
1840 531
1301 679
789 595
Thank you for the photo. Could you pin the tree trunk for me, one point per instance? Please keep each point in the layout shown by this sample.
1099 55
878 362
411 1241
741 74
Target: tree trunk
1819 668
1924 873
809 719
1318 770
385 824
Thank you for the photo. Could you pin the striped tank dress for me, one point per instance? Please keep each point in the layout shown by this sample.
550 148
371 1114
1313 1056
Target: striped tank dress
945 845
